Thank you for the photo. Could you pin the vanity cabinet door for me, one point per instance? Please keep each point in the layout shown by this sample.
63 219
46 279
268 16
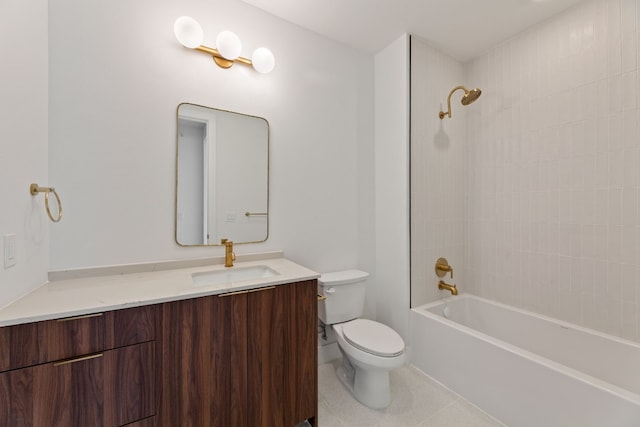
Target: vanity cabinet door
204 360
266 334
302 353
282 359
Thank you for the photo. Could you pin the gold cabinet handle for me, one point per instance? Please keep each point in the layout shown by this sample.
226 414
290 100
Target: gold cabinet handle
321 297
248 291
78 359
85 316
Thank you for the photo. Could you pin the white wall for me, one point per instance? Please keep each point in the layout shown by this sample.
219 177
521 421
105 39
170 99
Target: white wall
23 143
392 184
555 169
438 171
117 75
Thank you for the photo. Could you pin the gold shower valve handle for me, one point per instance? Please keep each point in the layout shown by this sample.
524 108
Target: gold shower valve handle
443 267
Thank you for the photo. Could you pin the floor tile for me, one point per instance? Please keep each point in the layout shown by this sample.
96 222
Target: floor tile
417 401
461 414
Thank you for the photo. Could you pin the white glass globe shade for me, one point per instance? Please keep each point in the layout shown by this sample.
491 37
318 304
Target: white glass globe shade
229 45
263 60
188 32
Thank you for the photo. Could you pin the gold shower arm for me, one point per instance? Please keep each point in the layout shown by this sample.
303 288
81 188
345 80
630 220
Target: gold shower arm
448 113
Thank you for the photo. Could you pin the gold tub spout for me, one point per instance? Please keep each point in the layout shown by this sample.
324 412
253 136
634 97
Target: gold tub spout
229 256
442 285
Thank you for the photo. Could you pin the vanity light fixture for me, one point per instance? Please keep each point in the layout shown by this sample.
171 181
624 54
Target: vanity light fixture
189 33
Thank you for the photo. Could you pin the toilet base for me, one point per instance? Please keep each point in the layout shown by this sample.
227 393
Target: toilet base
370 387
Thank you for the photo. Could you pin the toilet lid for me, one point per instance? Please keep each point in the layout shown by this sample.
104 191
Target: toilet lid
373 337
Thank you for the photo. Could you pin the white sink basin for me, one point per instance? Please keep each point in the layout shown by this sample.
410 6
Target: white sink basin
232 275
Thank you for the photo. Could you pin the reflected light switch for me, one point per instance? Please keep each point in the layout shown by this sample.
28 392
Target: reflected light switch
10 258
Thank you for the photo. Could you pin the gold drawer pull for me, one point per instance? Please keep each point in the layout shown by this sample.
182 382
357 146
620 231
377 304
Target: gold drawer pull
78 359
266 288
248 291
321 297
86 316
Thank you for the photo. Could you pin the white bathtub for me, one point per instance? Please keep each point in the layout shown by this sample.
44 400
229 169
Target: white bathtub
525 369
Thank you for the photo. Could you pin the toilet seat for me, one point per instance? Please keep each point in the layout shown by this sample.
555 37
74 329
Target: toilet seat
373 337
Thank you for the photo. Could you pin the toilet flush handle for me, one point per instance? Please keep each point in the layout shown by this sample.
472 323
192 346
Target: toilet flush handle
330 291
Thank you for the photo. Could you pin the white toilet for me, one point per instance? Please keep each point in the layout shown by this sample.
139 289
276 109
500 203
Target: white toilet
369 349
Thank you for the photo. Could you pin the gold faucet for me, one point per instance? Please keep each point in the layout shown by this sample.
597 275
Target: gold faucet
451 288
229 256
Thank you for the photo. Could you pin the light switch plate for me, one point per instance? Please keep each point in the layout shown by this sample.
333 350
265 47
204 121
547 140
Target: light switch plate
10 256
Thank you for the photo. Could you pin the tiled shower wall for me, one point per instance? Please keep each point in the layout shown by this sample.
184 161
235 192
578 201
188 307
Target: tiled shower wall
554 169
438 172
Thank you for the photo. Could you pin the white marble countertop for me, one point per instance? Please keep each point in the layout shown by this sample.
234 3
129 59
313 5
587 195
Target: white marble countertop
75 293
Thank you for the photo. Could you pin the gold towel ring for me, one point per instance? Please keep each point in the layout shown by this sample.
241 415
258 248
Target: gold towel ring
34 189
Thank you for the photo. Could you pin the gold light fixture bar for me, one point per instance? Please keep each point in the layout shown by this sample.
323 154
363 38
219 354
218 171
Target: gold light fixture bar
220 60
228 46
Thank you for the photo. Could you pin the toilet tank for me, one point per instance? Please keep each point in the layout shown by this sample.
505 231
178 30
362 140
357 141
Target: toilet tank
344 292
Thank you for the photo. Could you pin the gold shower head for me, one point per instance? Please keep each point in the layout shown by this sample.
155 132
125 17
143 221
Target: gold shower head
469 97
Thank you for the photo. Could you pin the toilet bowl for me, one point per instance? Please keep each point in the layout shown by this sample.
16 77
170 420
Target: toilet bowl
369 348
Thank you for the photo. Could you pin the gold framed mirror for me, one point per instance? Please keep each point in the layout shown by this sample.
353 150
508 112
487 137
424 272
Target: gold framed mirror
222 176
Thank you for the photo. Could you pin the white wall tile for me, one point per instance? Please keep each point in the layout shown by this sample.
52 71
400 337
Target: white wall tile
629 206
629 321
615 93
571 169
439 169
630 86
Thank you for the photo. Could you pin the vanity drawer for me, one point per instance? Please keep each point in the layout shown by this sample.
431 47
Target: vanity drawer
72 336
18 346
75 336
131 325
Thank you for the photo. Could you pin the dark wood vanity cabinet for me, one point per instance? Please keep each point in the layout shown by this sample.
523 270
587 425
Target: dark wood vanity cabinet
238 359
241 359
95 370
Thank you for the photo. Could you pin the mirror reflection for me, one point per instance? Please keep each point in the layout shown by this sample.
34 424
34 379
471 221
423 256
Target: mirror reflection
222 176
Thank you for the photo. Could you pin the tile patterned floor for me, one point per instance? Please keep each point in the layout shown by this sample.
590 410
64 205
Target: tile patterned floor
417 401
